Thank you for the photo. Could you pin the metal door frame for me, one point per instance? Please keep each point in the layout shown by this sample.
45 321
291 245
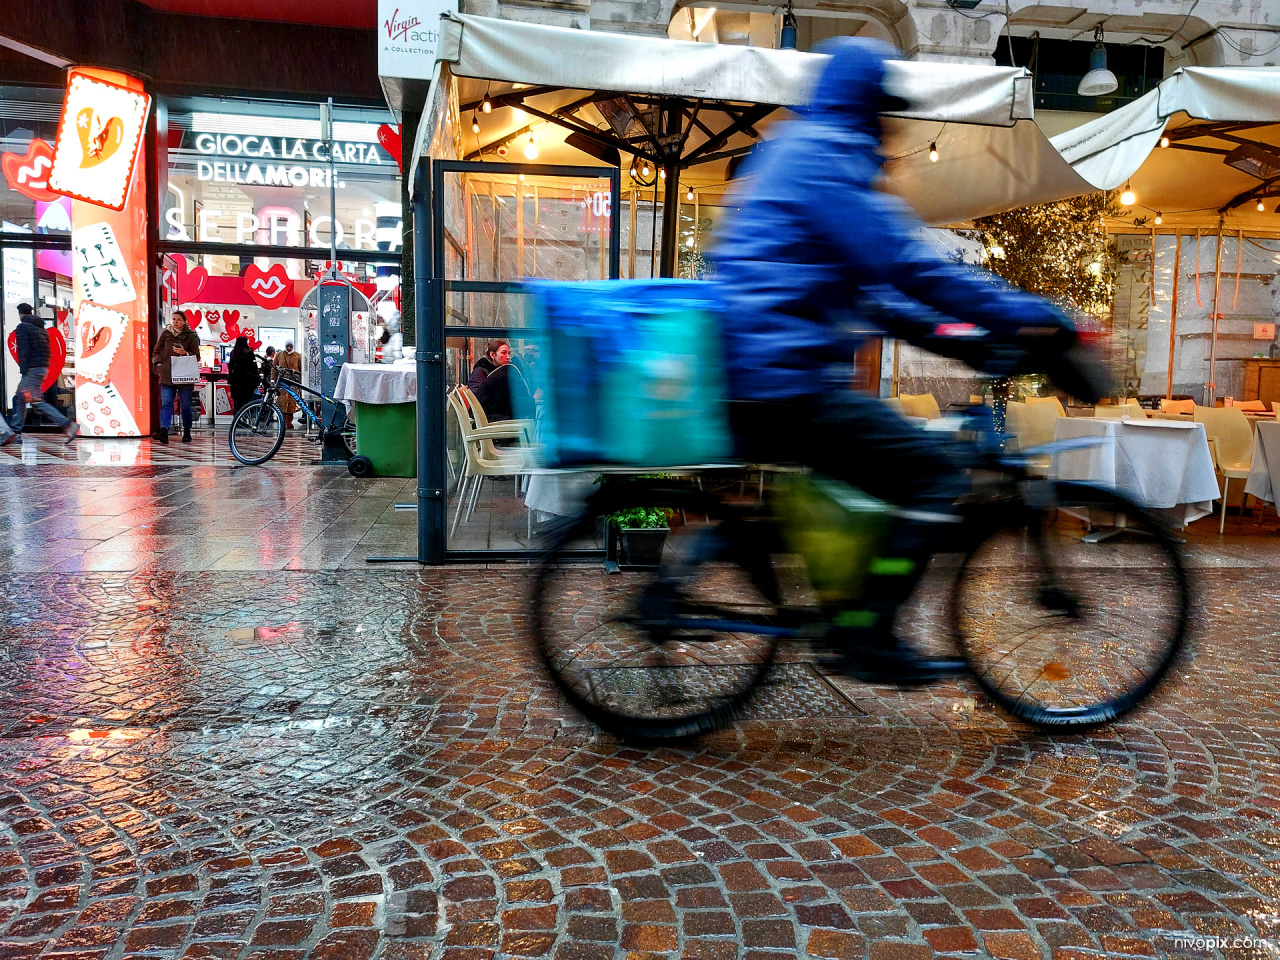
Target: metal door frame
430 287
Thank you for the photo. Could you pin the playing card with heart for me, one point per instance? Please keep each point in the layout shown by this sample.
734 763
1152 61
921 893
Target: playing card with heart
99 333
102 412
97 144
100 266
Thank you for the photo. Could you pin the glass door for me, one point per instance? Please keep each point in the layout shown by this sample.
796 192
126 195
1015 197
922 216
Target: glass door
497 226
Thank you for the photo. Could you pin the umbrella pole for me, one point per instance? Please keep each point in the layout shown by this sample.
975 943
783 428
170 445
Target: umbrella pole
1213 343
1173 312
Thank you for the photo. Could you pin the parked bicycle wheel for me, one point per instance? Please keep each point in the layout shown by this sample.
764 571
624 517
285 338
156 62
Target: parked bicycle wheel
349 437
1065 634
256 433
661 652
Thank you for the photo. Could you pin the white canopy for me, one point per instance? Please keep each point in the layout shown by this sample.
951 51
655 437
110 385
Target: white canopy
1187 184
946 98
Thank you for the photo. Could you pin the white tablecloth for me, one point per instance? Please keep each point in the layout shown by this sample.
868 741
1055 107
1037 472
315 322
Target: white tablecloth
377 383
1264 472
1162 464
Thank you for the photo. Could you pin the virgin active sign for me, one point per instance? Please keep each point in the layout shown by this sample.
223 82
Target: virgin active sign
408 34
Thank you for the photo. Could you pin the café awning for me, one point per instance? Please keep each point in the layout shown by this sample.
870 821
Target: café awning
976 108
1221 157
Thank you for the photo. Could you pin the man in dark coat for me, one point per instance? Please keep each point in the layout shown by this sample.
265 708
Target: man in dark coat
811 242
33 364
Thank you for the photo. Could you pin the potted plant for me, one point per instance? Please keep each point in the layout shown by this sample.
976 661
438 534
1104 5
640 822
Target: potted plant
639 535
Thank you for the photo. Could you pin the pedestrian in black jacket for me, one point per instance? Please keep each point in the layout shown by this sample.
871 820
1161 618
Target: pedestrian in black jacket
242 374
496 354
32 343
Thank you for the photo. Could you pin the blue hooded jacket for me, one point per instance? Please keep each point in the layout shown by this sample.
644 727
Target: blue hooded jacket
813 239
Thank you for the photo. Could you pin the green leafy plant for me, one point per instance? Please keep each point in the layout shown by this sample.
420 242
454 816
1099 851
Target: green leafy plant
644 518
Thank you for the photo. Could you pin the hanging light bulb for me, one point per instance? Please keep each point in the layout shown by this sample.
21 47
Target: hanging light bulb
689 194
531 148
662 172
486 106
1099 81
1127 198
475 124
1159 218
521 176
644 169
1164 141
933 153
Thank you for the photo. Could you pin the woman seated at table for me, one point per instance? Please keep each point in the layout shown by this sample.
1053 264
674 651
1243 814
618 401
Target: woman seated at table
505 395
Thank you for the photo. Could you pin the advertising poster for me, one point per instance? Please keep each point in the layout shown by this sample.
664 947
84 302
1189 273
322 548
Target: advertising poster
109 258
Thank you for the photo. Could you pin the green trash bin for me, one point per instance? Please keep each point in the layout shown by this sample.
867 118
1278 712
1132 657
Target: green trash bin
387 433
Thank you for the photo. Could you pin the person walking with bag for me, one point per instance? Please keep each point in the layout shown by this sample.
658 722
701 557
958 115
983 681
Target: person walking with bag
178 342
32 343
290 363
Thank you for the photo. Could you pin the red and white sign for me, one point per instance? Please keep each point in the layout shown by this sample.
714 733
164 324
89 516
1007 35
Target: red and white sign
268 288
29 173
98 139
408 34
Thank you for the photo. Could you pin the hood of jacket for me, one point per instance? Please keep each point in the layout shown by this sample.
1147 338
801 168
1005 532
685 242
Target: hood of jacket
851 91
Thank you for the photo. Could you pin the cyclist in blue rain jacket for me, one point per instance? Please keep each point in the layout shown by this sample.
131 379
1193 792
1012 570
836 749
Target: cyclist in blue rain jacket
814 250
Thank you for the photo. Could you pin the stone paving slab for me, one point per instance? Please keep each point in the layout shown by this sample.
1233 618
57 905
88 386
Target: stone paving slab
356 764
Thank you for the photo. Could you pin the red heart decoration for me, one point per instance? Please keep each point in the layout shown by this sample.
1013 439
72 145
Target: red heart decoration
230 325
269 289
252 335
391 142
191 280
57 355
28 173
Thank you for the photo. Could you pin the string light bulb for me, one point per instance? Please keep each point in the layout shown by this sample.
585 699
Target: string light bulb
1261 208
531 148
1159 218
662 172
644 169
475 124
1127 198
486 106
1164 141
933 153
689 194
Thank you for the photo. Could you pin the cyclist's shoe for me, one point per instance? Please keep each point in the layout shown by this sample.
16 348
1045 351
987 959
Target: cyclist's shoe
887 659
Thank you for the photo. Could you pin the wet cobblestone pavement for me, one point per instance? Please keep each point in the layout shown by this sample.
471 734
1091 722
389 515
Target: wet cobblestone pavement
359 764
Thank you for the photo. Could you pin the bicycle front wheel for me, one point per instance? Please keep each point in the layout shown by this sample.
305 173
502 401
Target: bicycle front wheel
665 651
1066 634
256 433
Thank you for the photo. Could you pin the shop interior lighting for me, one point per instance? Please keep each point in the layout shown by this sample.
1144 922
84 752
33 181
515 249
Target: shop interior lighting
933 153
531 148
1127 198
1099 81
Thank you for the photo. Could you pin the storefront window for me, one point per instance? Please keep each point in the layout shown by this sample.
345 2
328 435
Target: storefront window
256 172
35 228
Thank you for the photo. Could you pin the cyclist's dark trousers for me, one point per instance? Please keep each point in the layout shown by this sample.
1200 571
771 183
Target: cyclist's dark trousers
859 440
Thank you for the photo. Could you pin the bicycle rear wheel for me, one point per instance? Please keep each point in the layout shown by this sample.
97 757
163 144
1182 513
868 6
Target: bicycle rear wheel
1065 634
256 433
666 652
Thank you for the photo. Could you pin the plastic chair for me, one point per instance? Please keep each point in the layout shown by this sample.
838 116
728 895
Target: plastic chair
522 430
477 464
920 405
1251 406
1177 406
894 404
1131 409
1231 444
1032 425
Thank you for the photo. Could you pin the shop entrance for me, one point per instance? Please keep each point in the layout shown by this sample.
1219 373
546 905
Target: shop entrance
495 226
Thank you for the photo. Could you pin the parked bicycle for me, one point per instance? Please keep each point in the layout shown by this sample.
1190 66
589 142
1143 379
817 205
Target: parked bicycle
1052 636
257 430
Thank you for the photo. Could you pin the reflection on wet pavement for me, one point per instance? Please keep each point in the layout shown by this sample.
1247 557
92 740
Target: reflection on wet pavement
355 763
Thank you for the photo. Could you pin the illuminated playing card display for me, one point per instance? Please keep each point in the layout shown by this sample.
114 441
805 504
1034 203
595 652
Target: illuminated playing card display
98 138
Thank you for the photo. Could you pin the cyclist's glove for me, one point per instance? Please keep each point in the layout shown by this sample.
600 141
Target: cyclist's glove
1073 366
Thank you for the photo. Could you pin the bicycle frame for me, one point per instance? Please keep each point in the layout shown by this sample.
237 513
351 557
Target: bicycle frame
296 390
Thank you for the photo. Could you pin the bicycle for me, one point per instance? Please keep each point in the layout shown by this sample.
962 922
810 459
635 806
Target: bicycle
257 430
680 649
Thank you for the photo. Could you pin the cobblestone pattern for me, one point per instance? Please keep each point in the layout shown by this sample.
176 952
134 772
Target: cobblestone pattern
278 766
